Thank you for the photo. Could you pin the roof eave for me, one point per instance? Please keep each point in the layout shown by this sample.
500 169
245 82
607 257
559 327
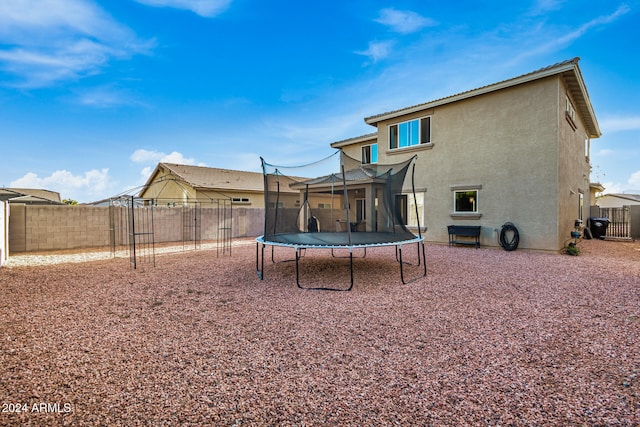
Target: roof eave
472 93
355 140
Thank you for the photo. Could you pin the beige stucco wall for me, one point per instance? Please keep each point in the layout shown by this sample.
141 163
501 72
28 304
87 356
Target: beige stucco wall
505 144
573 170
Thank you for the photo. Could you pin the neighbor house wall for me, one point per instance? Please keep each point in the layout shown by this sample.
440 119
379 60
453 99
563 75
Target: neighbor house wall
166 186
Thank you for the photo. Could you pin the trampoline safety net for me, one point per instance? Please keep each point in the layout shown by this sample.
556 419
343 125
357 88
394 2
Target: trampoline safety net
361 204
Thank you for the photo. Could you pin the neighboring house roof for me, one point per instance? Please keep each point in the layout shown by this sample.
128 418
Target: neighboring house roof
206 178
355 140
631 197
30 196
596 186
569 70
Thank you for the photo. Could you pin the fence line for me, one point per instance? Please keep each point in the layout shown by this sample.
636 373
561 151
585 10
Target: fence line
619 221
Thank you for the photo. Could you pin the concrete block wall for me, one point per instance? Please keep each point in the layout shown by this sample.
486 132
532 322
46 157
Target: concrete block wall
35 228
46 228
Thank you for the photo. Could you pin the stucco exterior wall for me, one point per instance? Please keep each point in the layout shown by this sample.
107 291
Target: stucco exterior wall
573 170
505 144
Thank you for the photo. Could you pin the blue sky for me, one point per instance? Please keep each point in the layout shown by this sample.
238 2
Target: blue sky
93 94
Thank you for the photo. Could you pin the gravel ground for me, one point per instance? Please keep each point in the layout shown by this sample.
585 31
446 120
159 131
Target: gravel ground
487 338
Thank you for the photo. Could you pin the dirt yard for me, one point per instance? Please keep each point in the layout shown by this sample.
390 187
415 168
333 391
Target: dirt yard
487 338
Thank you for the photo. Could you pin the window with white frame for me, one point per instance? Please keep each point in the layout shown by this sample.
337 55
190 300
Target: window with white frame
410 133
370 154
580 205
587 147
465 201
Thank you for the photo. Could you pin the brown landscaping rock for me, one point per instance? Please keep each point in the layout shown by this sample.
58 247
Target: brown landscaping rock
487 338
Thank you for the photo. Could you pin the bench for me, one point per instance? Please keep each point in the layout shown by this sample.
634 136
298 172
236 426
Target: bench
470 231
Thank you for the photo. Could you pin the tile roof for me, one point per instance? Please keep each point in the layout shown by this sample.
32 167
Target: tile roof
201 177
30 195
355 139
632 197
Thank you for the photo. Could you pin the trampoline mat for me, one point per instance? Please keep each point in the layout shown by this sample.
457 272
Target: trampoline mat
338 239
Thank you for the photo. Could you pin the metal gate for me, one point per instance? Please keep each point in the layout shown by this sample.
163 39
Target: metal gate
619 221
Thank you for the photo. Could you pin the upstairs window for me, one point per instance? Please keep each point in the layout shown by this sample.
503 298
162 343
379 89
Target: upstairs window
370 154
570 112
408 134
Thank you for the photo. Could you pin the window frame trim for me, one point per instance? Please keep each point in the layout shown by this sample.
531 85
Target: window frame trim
477 214
397 134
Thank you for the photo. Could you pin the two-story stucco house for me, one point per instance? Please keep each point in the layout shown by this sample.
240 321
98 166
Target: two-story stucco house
514 151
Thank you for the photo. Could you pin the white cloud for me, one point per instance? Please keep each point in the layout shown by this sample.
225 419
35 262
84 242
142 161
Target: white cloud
634 180
92 184
148 156
105 97
616 124
145 173
631 186
545 6
557 41
205 8
47 41
605 152
377 50
403 21
151 157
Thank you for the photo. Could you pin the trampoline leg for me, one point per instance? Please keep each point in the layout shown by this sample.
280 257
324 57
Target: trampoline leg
351 266
424 263
260 264
323 288
297 269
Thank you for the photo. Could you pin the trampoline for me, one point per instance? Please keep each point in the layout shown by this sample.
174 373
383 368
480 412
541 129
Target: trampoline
363 206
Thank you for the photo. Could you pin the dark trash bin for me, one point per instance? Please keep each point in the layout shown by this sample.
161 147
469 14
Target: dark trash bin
598 227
